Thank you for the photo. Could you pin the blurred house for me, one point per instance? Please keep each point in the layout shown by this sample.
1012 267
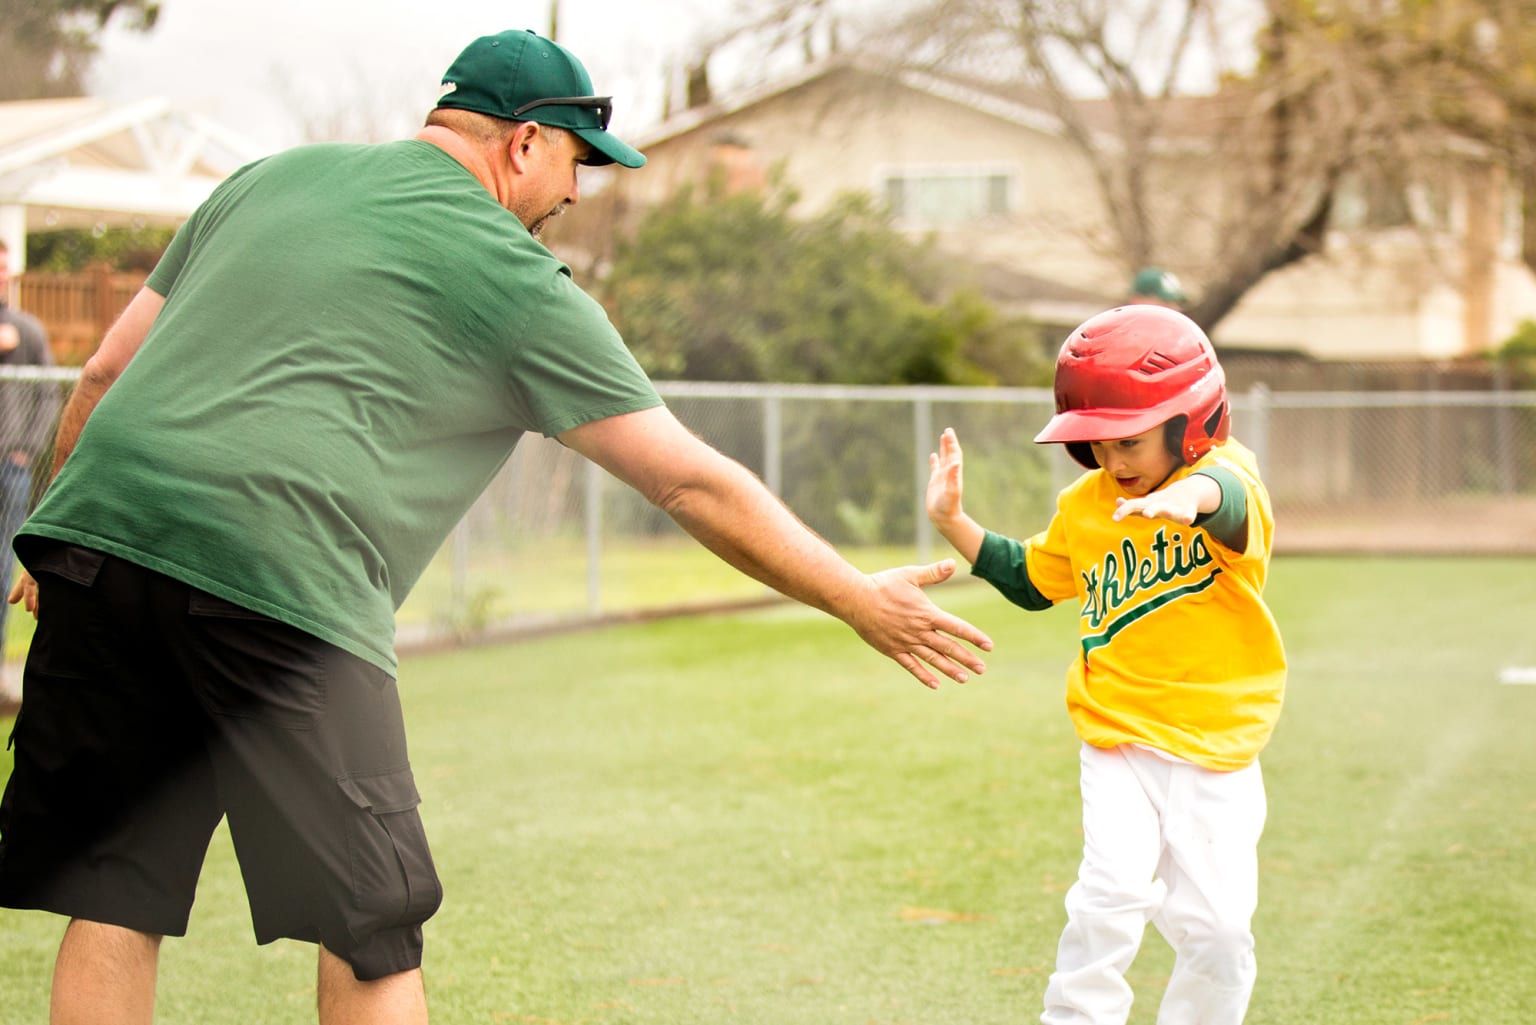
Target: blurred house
90 163
83 162
992 177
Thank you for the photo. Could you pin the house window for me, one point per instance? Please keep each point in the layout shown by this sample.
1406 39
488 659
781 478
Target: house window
1379 202
939 198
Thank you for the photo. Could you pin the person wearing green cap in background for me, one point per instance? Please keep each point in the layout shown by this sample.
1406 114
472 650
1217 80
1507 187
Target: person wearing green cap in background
336 353
1153 286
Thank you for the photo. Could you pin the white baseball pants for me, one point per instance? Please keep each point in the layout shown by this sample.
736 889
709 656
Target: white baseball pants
1174 844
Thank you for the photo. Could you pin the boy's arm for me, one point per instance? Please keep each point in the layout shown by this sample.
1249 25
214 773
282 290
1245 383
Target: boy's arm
1228 524
1180 501
998 560
964 534
1210 498
1004 563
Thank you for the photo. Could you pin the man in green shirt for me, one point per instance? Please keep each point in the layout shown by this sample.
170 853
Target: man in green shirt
335 355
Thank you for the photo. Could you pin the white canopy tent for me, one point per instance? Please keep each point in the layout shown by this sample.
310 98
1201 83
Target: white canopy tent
85 162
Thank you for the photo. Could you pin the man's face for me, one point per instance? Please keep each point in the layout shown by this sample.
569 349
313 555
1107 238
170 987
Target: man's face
552 182
5 275
1140 464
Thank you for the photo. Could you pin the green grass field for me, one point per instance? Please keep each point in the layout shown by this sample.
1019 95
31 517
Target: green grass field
751 818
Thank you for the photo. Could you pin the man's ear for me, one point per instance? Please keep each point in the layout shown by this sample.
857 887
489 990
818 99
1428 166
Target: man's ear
520 145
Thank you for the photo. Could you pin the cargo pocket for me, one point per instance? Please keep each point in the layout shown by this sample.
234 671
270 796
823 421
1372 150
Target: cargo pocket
393 880
81 644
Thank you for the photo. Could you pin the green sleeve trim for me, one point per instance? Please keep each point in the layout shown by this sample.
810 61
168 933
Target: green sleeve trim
1001 563
1229 523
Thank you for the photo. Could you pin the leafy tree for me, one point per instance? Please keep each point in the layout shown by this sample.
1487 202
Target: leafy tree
46 46
1518 355
1305 108
735 288
1306 94
75 249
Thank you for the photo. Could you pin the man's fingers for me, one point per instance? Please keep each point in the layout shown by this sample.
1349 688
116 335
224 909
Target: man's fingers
951 668
944 655
922 637
25 593
956 627
933 573
943 622
910 663
956 652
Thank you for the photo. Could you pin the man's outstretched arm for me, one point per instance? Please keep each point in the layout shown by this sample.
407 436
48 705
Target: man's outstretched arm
729 511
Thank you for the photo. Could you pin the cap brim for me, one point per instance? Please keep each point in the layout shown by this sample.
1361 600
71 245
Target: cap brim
609 149
1099 424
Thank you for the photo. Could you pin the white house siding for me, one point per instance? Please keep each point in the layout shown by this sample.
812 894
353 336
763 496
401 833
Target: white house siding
838 133
1371 305
845 128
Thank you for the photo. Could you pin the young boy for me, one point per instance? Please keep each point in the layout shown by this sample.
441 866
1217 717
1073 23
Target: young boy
1179 673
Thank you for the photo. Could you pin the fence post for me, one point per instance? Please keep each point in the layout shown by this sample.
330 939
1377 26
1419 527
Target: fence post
594 530
1503 432
773 444
458 591
1258 438
922 431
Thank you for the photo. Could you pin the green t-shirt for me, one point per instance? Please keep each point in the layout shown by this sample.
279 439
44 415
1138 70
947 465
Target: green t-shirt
353 339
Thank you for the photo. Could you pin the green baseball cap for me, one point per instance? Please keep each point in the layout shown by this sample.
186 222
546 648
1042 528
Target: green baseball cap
521 76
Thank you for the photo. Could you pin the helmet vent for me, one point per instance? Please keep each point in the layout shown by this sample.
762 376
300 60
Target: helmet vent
1156 362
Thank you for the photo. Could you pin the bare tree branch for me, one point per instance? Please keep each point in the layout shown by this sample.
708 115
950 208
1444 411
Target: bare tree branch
1304 103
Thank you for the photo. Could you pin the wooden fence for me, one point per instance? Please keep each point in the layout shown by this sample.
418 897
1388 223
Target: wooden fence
77 308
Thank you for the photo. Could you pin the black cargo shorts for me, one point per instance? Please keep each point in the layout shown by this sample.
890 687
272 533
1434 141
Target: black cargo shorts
151 709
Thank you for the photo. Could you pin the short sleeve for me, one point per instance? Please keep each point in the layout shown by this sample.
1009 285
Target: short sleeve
164 276
1050 565
571 367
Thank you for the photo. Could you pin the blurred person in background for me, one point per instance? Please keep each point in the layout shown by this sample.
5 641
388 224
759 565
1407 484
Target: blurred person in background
28 413
1153 286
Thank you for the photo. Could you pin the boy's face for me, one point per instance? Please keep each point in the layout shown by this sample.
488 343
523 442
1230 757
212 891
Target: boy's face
1140 464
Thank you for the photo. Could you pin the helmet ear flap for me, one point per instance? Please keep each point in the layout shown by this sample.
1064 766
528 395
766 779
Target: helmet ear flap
1191 445
1173 437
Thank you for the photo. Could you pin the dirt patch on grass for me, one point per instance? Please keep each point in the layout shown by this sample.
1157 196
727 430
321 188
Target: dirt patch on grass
1463 526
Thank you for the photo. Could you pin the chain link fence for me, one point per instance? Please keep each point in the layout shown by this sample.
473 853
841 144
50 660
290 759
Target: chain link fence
554 541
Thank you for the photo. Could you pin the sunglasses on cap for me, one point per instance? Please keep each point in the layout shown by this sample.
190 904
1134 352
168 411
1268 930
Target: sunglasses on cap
602 104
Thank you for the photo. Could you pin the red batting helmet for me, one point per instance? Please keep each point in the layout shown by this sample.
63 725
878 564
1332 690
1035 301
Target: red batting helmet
1126 370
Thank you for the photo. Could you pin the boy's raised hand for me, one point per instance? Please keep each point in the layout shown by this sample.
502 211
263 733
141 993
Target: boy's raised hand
945 484
945 479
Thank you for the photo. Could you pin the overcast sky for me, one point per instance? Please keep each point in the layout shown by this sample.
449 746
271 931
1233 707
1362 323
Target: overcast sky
244 63
268 70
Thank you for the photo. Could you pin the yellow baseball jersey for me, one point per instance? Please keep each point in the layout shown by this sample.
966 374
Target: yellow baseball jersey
1177 649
